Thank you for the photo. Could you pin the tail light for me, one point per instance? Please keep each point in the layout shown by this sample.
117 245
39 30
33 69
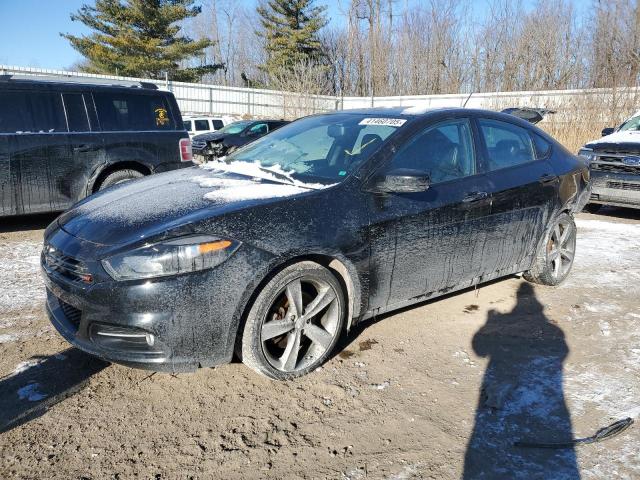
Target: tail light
186 154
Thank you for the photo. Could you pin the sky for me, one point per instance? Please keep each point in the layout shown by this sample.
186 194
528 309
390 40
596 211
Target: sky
30 33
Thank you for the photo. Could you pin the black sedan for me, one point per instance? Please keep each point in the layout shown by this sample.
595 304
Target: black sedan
326 222
213 145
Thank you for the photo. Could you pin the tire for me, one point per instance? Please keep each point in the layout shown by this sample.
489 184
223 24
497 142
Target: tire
555 258
117 177
276 340
592 208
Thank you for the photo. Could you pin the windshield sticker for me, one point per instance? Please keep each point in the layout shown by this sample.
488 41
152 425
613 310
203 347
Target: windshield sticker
383 122
162 118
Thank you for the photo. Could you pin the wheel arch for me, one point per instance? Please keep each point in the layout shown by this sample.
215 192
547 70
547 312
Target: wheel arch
343 269
114 167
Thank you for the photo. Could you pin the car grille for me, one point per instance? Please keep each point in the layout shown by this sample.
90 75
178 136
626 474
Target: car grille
72 313
64 265
612 163
614 168
624 186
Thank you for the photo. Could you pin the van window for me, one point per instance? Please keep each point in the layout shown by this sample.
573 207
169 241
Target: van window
76 112
34 112
217 124
127 112
187 125
201 125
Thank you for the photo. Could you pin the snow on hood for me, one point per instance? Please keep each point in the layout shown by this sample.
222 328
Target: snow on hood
624 136
160 202
237 189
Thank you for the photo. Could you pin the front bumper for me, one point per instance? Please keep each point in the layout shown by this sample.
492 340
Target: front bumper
173 324
616 189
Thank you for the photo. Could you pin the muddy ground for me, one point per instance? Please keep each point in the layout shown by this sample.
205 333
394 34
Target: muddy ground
441 390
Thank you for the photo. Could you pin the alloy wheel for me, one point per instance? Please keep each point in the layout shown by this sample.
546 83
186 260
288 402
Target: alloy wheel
561 248
301 324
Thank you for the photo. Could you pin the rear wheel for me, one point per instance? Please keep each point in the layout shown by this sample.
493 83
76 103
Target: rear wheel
555 258
294 323
117 177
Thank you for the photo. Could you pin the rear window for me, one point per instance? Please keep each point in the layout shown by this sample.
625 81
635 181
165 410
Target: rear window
127 112
201 125
31 112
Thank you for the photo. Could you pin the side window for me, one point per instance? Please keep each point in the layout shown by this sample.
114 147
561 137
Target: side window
444 151
76 112
507 144
31 112
217 124
132 112
187 125
543 148
201 125
259 129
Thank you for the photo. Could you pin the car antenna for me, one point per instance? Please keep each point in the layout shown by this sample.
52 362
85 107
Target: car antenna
468 98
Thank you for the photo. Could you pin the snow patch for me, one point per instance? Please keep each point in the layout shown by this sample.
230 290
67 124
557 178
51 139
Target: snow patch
31 392
9 337
232 189
22 284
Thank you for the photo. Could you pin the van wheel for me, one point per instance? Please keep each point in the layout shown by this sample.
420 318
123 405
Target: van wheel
294 323
555 258
119 176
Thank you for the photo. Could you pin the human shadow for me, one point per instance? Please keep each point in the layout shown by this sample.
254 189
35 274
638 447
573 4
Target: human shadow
42 382
521 398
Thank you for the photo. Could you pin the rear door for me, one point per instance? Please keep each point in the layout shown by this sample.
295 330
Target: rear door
430 241
138 127
524 188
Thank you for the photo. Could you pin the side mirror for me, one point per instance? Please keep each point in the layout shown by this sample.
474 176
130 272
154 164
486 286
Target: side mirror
401 180
607 131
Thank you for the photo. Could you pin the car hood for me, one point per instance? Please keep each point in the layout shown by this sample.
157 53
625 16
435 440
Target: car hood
207 137
623 141
164 202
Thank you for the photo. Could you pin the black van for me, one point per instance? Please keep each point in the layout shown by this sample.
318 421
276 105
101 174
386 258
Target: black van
61 141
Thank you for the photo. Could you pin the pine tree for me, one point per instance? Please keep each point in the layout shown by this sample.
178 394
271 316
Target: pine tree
139 38
290 29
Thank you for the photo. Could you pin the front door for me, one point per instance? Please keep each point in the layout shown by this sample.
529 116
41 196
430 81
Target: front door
430 241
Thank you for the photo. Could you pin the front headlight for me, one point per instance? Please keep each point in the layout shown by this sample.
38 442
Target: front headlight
171 257
587 155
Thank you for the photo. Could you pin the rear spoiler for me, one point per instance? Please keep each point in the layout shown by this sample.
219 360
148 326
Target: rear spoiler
532 115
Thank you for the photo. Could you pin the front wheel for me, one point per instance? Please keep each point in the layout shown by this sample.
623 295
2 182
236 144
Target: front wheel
294 323
555 258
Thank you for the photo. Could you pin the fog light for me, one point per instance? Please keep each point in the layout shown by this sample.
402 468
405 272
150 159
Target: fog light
114 337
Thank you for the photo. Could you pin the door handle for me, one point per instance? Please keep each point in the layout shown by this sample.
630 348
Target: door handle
475 197
547 178
82 148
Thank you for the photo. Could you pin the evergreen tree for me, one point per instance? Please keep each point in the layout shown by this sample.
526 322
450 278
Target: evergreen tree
139 38
290 29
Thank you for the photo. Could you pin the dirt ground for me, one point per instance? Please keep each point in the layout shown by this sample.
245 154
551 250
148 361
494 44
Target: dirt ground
441 390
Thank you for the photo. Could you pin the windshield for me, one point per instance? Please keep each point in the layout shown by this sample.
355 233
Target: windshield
631 124
323 148
235 127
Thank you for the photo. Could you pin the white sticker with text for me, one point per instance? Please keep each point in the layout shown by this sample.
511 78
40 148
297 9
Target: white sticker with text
383 122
